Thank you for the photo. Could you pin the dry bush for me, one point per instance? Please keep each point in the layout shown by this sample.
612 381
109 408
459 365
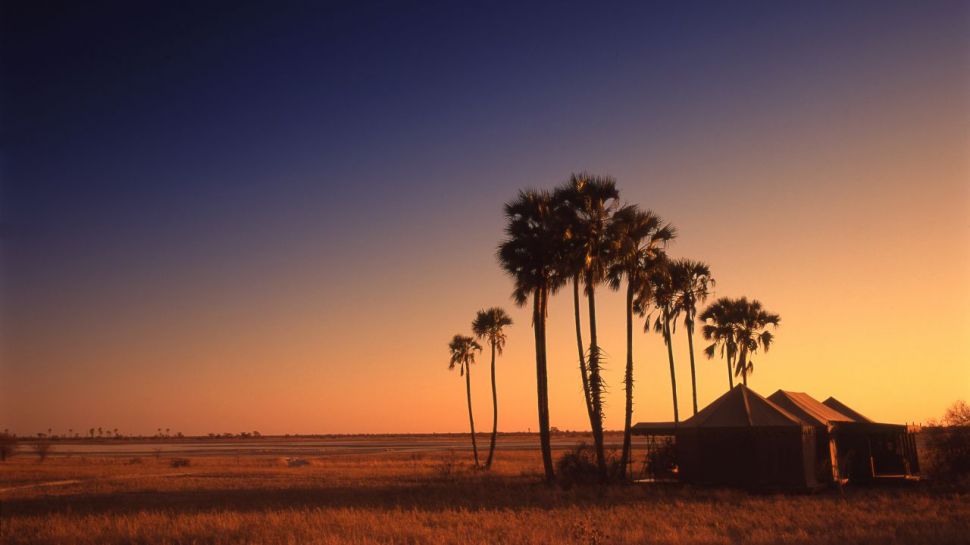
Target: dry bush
42 449
578 466
947 457
180 462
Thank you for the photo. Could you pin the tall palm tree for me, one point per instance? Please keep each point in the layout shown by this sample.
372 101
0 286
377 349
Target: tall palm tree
719 325
489 325
530 255
751 332
638 236
571 265
463 356
692 282
665 301
589 203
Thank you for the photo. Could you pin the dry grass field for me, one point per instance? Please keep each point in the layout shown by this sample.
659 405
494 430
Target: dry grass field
431 498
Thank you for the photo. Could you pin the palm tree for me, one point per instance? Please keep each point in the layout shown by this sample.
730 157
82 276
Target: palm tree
692 281
751 333
463 355
719 329
490 325
638 236
571 264
530 254
665 300
588 203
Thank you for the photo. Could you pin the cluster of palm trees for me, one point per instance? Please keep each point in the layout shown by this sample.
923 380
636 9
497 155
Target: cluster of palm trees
581 234
489 326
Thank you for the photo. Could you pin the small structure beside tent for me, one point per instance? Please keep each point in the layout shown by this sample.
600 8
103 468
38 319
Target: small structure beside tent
787 440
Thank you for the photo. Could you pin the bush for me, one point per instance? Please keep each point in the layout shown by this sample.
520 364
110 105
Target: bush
948 456
42 449
661 459
578 466
8 446
180 462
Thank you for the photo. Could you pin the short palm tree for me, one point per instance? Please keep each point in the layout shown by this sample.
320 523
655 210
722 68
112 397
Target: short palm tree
638 236
719 325
530 254
692 282
463 356
665 301
489 325
751 333
589 202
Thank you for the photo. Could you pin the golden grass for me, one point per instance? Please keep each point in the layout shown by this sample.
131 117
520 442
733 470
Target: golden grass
433 498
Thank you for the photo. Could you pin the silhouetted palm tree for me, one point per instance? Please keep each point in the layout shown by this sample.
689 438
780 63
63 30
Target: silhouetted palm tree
592 201
530 255
751 333
463 355
638 237
665 300
490 325
571 265
692 281
719 325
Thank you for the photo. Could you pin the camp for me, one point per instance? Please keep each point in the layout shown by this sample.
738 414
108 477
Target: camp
788 440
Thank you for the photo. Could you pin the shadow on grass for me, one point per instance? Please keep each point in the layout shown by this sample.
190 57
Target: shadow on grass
431 496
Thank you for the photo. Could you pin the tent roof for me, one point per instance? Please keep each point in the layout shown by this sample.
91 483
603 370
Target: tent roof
742 407
807 408
654 428
844 409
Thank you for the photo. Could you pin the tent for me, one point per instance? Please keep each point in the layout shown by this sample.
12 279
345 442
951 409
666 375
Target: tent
856 447
742 439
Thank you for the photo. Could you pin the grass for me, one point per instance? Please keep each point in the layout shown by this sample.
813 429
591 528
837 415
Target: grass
432 498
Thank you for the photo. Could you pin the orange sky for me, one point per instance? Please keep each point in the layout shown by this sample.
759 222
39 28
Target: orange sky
841 205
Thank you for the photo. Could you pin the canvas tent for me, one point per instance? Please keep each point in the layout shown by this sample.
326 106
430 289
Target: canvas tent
741 439
857 448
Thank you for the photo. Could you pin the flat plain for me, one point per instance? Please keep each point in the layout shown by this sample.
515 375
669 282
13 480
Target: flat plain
420 490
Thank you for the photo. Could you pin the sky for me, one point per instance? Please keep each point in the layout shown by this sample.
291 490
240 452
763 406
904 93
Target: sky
233 217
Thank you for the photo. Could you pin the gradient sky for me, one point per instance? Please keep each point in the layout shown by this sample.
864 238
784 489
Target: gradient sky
229 218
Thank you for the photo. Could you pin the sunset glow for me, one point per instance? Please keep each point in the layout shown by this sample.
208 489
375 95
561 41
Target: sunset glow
279 226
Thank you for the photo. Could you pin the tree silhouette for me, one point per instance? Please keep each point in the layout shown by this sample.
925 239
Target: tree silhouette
719 328
463 355
530 254
588 203
638 238
751 332
664 299
489 325
692 282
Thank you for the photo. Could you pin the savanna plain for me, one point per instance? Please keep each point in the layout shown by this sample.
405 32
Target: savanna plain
430 495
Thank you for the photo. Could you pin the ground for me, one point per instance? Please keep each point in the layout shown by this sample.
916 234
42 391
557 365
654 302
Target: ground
428 495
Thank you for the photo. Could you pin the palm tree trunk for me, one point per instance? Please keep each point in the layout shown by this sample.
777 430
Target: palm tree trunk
743 366
491 446
730 372
693 376
628 381
542 387
596 386
471 419
579 348
670 356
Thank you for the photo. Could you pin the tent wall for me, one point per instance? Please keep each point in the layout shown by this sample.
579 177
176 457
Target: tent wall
783 456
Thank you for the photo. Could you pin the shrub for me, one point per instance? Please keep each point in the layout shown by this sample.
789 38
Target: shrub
42 449
8 446
578 466
949 446
180 462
